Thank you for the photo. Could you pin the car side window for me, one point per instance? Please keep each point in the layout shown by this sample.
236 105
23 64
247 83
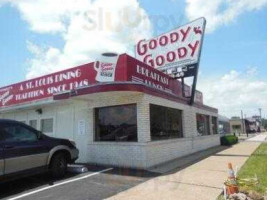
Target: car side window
18 133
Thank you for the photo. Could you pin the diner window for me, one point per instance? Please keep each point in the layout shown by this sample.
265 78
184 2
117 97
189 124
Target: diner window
33 123
47 125
203 124
116 123
165 123
214 125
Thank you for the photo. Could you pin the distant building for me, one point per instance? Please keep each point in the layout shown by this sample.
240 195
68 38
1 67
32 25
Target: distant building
247 125
253 124
237 125
224 125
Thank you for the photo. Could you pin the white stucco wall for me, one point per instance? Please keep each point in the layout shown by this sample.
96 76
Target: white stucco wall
66 116
142 154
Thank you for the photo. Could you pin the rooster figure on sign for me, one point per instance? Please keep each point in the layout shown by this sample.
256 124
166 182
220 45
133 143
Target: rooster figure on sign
198 30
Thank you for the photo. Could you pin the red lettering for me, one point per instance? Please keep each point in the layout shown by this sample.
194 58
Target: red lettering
170 56
160 60
185 33
193 48
141 48
182 52
163 40
148 60
174 37
152 44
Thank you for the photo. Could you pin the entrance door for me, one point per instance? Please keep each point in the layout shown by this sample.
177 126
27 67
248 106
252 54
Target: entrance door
23 149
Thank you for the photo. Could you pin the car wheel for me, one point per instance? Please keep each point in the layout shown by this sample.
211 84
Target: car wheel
58 165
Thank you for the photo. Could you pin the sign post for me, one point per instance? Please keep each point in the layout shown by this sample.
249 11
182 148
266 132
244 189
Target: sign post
197 67
176 53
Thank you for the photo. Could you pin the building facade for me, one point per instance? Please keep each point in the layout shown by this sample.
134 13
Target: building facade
244 126
237 125
224 125
139 120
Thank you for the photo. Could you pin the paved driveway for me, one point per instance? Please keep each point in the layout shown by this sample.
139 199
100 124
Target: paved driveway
97 183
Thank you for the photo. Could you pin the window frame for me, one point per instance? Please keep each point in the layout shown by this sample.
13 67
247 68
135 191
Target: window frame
47 117
95 125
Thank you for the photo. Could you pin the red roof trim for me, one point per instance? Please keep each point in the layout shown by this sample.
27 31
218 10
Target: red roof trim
126 86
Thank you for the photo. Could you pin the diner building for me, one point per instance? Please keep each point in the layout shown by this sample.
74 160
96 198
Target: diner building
137 117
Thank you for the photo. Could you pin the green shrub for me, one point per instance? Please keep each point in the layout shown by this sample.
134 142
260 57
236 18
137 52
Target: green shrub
229 140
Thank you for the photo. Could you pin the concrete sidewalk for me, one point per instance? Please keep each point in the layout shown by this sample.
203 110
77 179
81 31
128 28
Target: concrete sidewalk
258 138
202 180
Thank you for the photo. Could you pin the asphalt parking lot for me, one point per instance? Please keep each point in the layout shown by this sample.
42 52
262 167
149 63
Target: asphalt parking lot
97 183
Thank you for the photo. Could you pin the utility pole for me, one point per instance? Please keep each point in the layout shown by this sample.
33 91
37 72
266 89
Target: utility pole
264 121
243 123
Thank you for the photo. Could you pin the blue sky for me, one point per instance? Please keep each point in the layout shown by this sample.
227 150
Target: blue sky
13 50
14 54
237 45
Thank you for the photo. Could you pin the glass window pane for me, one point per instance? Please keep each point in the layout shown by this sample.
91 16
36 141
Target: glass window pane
33 123
13 133
203 124
165 123
47 125
116 123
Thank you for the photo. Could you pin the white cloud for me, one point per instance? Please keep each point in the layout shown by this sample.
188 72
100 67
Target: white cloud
233 92
44 16
87 28
252 71
220 12
45 60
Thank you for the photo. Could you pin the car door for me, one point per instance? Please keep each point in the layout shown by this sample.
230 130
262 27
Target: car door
23 150
2 162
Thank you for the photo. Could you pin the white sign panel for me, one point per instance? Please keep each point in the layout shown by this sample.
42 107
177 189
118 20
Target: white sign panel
81 127
106 67
177 48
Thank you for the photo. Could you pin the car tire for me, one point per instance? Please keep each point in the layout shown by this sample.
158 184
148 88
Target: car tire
58 165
